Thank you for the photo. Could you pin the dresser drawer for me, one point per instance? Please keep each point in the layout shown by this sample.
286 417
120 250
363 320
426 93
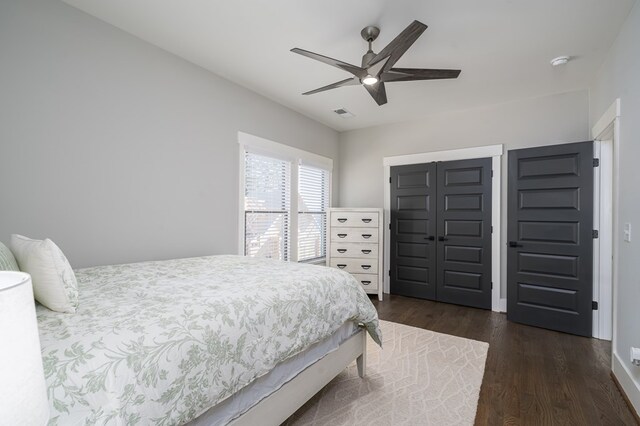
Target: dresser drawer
356 266
361 250
354 219
369 282
354 235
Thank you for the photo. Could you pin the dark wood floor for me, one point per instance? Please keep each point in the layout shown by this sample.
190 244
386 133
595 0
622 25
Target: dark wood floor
532 376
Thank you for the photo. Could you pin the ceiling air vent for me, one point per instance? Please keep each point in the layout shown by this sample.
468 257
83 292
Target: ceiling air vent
343 113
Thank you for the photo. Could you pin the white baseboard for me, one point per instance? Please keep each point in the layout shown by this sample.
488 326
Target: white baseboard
629 385
503 305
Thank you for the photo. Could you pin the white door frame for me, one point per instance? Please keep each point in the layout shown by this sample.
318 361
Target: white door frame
606 147
493 151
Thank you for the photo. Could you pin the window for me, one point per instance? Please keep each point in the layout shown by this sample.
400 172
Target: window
313 203
287 194
267 207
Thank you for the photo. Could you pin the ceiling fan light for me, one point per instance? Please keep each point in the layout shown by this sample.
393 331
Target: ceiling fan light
369 80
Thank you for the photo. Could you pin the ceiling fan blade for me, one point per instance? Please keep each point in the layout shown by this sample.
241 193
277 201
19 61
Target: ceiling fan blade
400 44
411 74
377 92
355 70
347 82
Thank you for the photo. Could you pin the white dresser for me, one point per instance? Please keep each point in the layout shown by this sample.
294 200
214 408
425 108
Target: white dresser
355 245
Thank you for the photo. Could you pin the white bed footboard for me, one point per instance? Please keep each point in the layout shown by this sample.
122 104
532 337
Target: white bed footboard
281 404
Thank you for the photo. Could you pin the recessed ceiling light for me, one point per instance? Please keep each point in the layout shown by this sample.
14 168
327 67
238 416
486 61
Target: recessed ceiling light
560 60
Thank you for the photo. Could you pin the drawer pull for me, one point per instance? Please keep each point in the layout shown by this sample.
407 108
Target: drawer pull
342 235
366 220
365 251
365 266
366 236
365 282
342 219
341 265
342 250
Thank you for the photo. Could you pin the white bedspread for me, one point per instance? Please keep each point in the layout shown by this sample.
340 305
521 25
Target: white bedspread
162 342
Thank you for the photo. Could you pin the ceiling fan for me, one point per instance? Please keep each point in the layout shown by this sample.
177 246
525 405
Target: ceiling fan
377 69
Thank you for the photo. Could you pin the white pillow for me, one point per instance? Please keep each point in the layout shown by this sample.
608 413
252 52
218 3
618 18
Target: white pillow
7 260
54 283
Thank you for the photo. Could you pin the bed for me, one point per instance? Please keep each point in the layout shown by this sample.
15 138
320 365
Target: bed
208 340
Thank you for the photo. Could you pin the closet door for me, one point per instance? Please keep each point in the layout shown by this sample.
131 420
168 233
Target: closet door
550 254
464 232
413 230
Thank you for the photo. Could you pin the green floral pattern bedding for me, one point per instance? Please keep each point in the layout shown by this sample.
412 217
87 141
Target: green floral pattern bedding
161 342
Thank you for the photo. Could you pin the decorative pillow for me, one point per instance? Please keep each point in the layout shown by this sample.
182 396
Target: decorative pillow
7 261
54 283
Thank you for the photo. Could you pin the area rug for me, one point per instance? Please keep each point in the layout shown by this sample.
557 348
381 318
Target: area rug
419 377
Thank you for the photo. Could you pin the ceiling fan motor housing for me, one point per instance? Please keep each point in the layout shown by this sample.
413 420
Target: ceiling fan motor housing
367 58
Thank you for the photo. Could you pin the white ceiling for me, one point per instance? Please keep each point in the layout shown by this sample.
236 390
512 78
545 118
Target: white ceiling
503 47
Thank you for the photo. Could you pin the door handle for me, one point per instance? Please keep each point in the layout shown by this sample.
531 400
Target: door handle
365 266
342 250
366 236
514 244
366 251
443 239
341 265
342 235
366 220
342 219
365 282
430 238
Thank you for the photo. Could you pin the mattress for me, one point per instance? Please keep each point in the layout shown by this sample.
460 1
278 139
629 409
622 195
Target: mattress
163 342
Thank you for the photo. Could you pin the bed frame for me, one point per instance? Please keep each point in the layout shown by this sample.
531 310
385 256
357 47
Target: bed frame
281 404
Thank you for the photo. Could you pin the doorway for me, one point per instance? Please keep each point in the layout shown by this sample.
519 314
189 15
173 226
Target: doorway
441 231
492 151
550 237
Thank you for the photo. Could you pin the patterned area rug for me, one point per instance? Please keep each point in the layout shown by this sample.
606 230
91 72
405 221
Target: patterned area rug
419 378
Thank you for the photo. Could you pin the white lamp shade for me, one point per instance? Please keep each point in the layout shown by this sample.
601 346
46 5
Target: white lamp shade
23 394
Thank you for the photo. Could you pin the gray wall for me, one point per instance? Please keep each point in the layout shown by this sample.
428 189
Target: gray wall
541 121
118 150
620 78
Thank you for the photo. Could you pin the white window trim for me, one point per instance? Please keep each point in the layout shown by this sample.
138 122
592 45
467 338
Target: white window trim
493 151
258 145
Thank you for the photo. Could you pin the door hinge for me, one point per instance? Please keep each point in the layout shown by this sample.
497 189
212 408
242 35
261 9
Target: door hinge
492 229
594 305
596 162
491 173
389 272
389 180
491 285
389 227
595 234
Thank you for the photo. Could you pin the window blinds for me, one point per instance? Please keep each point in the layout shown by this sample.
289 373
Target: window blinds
313 203
267 205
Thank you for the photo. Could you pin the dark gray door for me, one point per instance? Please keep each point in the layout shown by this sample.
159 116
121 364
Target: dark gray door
450 200
550 253
413 230
464 232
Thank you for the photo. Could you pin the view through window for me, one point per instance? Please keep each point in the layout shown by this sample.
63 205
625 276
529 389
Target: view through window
269 212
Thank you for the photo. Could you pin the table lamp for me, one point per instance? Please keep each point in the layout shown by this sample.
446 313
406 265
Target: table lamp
23 395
